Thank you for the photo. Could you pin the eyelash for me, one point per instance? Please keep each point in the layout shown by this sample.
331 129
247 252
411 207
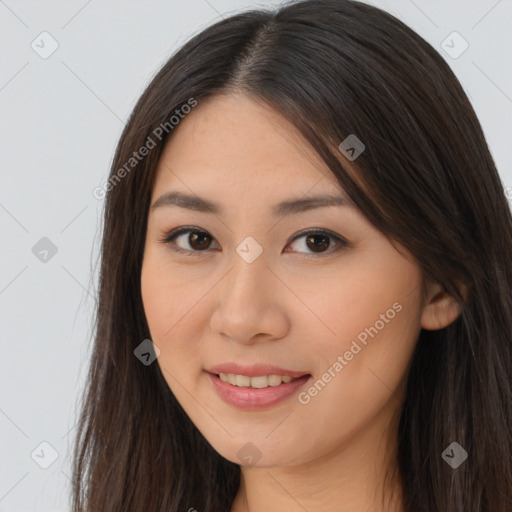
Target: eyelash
172 235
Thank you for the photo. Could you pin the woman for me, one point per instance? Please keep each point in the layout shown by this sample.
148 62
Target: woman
305 293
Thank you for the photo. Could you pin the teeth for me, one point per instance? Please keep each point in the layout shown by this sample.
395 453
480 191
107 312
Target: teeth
243 381
274 380
261 381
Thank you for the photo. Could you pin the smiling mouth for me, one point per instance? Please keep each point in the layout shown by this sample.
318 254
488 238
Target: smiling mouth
256 382
256 392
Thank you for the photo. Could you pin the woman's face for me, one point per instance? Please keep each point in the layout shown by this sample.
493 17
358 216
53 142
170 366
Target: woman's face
265 290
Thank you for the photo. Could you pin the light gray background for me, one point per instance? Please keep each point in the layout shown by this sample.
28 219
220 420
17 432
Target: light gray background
61 119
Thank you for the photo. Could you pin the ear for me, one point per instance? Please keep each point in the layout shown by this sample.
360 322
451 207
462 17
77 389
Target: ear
440 308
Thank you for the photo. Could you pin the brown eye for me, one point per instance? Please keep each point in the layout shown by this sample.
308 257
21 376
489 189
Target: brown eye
317 242
196 241
199 240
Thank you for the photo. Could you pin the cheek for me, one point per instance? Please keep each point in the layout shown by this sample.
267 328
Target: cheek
170 314
166 296
357 383
373 319
156 301
366 295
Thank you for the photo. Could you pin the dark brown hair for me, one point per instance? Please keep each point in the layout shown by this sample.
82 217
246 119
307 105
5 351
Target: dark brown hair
426 179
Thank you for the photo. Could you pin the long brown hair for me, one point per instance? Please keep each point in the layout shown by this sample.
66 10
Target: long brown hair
425 179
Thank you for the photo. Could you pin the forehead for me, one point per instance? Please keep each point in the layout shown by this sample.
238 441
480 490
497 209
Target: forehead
234 141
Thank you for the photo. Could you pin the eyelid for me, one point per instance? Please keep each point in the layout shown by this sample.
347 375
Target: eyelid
340 242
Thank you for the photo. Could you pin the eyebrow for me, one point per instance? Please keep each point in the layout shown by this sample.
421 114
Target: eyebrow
291 206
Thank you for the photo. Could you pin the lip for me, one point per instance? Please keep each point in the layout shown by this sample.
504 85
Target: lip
254 370
252 398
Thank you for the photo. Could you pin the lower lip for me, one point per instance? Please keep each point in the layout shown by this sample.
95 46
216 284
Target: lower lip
253 398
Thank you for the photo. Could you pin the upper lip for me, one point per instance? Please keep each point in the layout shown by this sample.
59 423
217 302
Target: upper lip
254 370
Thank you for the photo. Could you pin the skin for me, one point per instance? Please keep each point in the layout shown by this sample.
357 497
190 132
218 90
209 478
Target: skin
292 307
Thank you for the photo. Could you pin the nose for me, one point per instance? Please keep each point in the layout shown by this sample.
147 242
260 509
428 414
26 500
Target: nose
250 307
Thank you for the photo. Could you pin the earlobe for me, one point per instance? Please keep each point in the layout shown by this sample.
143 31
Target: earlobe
440 310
